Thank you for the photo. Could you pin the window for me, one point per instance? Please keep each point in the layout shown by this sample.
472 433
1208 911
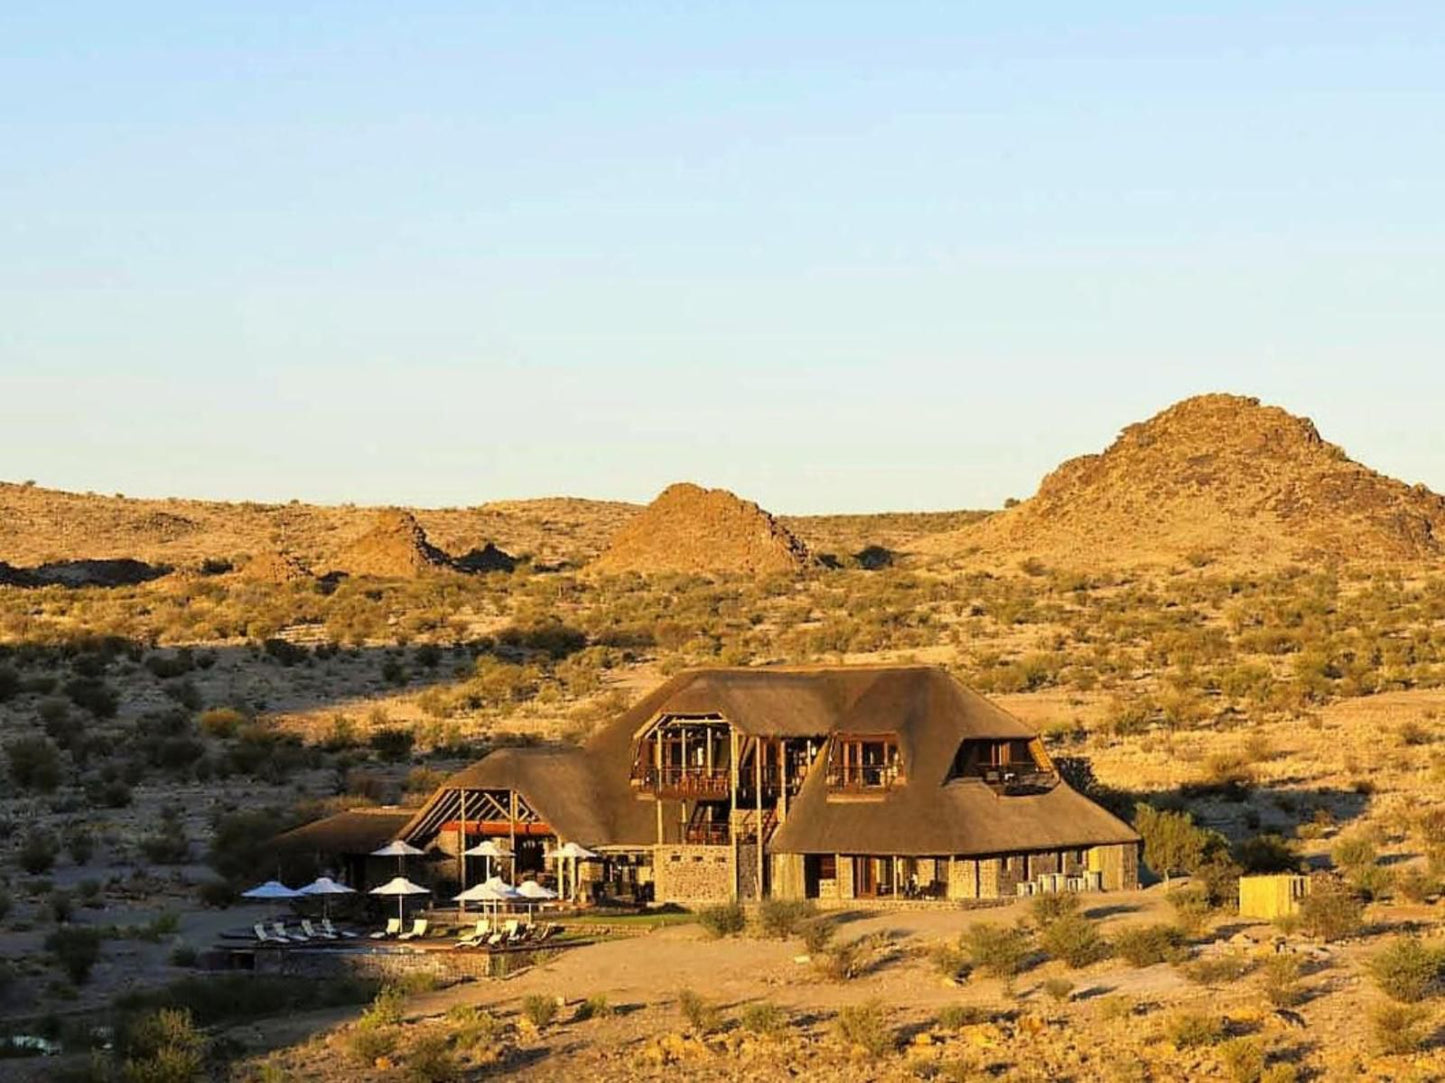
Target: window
864 762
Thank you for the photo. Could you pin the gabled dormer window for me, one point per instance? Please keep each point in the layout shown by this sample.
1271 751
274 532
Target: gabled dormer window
860 763
1008 764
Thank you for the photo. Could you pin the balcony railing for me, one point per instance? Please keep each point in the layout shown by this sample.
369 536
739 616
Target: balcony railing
863 778
682 782
1015 782
707 834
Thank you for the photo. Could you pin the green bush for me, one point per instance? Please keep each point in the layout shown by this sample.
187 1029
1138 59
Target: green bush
1353 852
1048 909
1331 912
841 962
596 1006
817 935
94 695
764 1019
1265 854
782 918
34 763
1190 1030
430 1059
996 950
1243 1059
539 1010
1218 969
1146 945
38 850
76 949
702 1016
866 1027
387 1008
1074 940
1399 1028
1279 981
163 1047
392 744
725 919
1407 969
1058 989
79 843
367 1042
950 959
958 1016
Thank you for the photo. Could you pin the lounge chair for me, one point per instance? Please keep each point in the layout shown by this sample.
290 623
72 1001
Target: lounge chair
476 936
332 931
393 928
505 935
418 930
280 930
546 932
268 938
313 933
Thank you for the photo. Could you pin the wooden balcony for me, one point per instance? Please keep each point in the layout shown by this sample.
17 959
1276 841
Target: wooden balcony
683 783
1019 782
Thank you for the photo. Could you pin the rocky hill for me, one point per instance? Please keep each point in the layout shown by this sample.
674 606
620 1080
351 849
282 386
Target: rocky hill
396 547
1218 478
703 531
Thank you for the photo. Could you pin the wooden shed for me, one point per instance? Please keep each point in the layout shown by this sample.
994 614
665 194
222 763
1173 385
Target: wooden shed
1273 896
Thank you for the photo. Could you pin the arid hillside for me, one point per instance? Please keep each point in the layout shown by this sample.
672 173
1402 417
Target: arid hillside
705 531
1217 478
39 525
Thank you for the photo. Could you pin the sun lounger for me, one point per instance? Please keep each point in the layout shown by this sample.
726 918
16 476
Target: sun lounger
393 928
267 938
418 929
281 934
476 936
313 933
332 931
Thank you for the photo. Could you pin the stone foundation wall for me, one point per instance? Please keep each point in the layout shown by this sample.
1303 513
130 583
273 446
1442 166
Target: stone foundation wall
688 874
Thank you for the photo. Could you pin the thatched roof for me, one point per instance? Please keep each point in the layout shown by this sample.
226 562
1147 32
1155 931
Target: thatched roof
587 796
558 782
356 831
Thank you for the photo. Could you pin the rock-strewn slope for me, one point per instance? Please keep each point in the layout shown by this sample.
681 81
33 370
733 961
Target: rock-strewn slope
1220 477
703 531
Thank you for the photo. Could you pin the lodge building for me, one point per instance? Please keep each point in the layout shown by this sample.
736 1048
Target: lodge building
829 783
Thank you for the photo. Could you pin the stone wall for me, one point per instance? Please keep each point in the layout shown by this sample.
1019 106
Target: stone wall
689 874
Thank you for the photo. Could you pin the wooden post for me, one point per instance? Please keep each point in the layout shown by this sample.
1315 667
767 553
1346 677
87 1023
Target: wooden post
512 827
733 814
462 854
783 779
758 774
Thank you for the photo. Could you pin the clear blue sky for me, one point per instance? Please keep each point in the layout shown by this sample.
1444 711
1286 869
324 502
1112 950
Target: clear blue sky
833 256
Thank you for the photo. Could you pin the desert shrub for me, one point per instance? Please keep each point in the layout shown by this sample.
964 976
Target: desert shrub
79 843
241 844
163 1047
9 683
1399 1028
34 763
950 959
817 935
1190 1030
1058 989
1279 981
1191 907
475 1028
843 961
1048 909
387 1008
61 906
167 843
184 955
764 1019
1330 912
725 919
1279 1072
38 850
1353 852
782 918
1074 940
1218 969
594 1007
5 904
217 893
703 1016
539 1010
76 949
1172 842
94 695
1265 854
1415 885
1370 882
1146 945
430 1059
996 950
1407 969
221 721
866 1027
1243 1059
367 1042
958 1016
217 998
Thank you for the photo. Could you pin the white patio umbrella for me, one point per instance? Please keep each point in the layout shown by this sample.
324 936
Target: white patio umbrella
534 893
489 850
401 887
271 889
326 887
485 893
400 850
574 853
